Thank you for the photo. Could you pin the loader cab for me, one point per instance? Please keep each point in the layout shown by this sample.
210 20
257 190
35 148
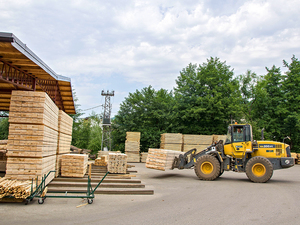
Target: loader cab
239 133
239 140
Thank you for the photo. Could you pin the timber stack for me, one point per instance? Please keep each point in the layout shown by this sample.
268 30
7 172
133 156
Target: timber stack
117 163
33 136
200 142
132 146
3 159
101 161
161 159
74 165
171 141
65 125
16 189
144 156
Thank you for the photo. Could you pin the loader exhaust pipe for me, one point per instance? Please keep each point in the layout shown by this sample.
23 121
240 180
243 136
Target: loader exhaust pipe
262 134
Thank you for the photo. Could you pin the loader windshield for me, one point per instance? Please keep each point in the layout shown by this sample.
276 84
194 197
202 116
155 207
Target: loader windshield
238 133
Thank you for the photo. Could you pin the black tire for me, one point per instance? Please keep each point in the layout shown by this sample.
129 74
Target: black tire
207 167
90 200
259 169
41 201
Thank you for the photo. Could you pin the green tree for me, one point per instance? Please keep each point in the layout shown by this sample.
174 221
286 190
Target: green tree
95 138
147 111
4 126
207 98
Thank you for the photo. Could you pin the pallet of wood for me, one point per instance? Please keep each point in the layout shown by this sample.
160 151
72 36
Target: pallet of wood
74 165
15 188
101 161
30 107
65 124
33 136
31 140
171 141
132 146
161 159
117 163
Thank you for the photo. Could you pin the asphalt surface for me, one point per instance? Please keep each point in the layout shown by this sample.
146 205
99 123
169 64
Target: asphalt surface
179 198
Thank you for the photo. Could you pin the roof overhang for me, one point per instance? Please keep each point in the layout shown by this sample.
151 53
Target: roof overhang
21 69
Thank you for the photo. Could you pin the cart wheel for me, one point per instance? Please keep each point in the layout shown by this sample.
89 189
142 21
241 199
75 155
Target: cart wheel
41 201
27 201
90 200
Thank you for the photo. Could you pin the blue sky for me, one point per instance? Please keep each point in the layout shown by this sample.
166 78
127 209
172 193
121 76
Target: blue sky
127 45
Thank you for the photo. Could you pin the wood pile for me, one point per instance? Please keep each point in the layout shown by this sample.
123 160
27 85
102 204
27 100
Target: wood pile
144 156
15 188
65 124
3 159
117 163
74 165
33 136
171 141
132 146
200 142
296 157
161 159
101 161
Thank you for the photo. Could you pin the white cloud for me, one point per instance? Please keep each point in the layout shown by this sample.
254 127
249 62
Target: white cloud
127 45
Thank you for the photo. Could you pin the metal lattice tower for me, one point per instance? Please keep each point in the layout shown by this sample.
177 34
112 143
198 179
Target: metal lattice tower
106 130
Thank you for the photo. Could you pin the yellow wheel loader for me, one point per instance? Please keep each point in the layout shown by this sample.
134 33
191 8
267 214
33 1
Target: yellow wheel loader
239 153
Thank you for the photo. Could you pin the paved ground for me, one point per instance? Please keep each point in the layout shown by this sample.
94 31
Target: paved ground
179 198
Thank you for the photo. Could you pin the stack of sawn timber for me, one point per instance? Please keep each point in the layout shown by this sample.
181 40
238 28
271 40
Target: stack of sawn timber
132 146
117 163
144 156
171 141
65 124
3 159
33 135
74 165
161 159
200 142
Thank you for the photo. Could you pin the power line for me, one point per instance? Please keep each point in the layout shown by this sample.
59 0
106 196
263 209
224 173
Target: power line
92 108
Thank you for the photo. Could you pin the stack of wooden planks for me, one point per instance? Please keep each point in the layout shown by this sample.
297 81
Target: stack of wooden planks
33 136
3 159
15 188
101 161
171 141
74 165
132 146
65 125
144 156
117 163
200 142
161 159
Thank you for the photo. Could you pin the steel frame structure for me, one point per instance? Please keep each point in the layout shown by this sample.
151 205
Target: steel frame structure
106 124
25 81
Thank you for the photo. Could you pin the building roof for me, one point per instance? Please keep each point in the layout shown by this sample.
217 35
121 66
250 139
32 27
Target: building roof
21 69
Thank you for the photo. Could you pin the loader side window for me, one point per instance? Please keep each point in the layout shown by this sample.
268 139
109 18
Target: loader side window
248 133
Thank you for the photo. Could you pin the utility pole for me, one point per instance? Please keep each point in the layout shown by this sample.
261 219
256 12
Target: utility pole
106 123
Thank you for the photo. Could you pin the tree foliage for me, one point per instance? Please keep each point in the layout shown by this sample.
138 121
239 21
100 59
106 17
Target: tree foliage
207 98
147 111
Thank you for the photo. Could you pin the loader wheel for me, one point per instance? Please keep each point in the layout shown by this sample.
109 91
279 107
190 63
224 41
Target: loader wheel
259 169
207 167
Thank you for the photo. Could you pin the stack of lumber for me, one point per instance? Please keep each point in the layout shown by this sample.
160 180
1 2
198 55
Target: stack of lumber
171 141
15 188
74 165
117 163
33 135
200 142
295 156
144 156
65 125
3 159
132 146
101 161
161 159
